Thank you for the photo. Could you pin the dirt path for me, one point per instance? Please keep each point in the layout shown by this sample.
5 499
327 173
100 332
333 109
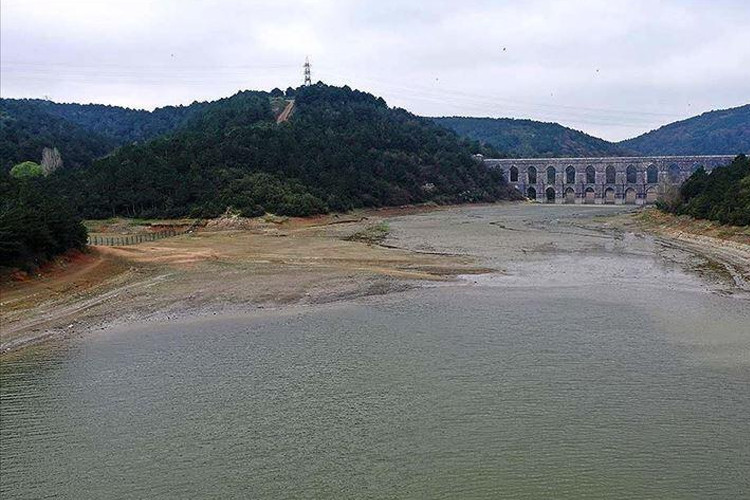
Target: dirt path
284 116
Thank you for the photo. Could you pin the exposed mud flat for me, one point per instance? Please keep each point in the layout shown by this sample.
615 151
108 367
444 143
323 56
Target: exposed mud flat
278 262
270 263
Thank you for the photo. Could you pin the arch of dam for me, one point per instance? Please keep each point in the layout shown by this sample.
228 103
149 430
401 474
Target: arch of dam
634 180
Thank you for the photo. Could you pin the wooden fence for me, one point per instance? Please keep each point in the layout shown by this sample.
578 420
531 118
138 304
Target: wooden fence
117 240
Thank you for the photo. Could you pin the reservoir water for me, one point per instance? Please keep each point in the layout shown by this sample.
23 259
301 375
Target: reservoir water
593 364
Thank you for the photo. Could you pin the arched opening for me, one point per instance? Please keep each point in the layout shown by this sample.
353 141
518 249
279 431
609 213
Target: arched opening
590 175
570 175
630 196
531 193
609 196
631 174
551 174
513 174
652 174
651 195
610 174
589 195
550 195
673 172
570 195
531 172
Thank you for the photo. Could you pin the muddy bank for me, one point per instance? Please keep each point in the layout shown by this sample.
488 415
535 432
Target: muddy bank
278 262
216 270
722 250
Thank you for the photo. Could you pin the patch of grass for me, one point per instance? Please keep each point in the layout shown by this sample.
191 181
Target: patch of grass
274 219
372 235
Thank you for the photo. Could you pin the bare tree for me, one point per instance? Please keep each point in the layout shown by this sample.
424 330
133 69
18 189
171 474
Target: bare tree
51 160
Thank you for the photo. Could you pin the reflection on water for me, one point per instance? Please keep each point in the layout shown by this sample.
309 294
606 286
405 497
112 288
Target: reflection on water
609 386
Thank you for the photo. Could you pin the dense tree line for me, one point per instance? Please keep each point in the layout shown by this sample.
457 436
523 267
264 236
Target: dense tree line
530 139
722 195
341 149
36 222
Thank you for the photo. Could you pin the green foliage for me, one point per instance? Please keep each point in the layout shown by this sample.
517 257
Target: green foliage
528 138
26 169
81 132
725 131
257 193
372 235
340 150
36 223
26 129
722 195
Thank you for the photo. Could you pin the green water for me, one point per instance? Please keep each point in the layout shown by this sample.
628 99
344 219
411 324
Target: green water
525 385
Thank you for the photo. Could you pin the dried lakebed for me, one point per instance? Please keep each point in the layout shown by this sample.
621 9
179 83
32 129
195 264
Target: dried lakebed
595 362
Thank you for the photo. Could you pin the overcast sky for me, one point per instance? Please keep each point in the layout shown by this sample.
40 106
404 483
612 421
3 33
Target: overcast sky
614 69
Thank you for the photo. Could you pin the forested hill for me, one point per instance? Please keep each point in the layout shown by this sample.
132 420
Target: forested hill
530 139
725 131
26 129
81 132
341 149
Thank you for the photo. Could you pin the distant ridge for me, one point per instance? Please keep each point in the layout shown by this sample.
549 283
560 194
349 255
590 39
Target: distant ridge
725 131
528 138
82 132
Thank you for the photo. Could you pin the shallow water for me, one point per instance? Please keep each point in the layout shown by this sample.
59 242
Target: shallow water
590 367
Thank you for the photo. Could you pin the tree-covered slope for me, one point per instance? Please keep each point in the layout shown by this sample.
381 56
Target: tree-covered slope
341 149
122 125
81 132
725 131
26 129
532 139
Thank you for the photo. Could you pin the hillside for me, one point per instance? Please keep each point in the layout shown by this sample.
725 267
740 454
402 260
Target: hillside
725 131
26 129
527 138
339 150
81 132
122 125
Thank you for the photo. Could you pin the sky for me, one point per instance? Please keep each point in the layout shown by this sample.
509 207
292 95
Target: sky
614 69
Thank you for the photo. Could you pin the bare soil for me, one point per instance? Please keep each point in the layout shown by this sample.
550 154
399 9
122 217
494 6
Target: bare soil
224 267
235 265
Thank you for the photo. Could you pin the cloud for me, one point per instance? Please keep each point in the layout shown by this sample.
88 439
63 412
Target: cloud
614 69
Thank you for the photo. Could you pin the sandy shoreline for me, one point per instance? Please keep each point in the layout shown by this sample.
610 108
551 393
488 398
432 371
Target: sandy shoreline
275 265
